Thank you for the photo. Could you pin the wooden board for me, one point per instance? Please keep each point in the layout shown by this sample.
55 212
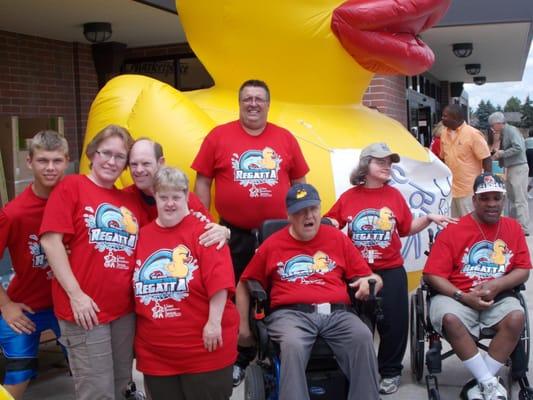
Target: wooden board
3 187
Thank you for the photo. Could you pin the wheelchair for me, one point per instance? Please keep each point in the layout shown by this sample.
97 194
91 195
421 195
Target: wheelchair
421 331
325 380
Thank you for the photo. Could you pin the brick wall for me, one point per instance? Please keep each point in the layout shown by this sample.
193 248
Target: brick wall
387 94
156 51
47 78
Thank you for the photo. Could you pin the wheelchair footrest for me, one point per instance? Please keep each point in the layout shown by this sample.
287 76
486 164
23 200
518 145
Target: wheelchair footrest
327 385
432 385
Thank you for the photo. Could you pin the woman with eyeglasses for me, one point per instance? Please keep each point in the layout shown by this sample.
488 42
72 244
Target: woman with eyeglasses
92 293
377 216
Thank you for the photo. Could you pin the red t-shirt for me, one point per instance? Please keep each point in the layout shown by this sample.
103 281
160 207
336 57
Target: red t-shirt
174 279
466 258
435 146
376 219
20 220
252 173
310 272
147 204
100 227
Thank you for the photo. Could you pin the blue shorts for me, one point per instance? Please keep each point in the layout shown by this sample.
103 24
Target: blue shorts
21 347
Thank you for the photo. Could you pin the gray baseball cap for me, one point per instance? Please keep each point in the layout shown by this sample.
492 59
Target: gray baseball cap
380 150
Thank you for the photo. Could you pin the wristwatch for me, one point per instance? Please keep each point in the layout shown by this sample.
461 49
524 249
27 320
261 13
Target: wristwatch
458 295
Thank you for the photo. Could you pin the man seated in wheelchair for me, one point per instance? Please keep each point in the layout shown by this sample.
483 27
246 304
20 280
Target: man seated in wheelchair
473 266
306 267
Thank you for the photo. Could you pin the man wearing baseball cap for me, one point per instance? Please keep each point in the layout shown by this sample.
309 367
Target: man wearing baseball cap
474 265
307 266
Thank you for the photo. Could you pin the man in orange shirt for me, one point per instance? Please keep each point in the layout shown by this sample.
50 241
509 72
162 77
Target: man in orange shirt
466 153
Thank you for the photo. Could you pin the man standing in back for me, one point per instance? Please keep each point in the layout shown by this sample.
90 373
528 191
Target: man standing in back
253 164
466 153
512 156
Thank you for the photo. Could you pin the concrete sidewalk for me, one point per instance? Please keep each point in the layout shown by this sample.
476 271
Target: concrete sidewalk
54 383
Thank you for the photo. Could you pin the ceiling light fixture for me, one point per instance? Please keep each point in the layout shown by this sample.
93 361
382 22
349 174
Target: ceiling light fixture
480 80
97 32
462 50
473 69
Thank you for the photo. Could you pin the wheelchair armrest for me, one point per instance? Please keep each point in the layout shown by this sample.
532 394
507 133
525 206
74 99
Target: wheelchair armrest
256 291
369 311
519 288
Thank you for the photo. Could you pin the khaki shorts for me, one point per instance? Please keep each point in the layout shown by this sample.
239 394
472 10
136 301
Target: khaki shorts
101 358
473 320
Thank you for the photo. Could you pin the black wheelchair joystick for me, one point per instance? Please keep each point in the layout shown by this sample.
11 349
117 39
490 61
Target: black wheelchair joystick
371 289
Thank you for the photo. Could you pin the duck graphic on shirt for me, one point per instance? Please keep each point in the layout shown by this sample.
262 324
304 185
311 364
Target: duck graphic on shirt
498 252
165 274
178 267
372 227
386 219
305 268
486 260
257 169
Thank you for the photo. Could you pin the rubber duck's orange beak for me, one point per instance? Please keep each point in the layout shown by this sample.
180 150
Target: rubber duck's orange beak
382 35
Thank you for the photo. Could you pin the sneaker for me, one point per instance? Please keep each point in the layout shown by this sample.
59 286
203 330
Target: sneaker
131 393
493 390
389 385
238 375
474 393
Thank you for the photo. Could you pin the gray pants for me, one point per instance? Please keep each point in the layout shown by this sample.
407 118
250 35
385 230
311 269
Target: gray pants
349 338
100 359
516 184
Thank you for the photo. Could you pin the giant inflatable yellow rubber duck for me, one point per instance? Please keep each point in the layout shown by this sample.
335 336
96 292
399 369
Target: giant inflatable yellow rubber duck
318 57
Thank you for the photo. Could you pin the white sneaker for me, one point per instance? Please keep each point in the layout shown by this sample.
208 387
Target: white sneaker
474 393
389 385
493 390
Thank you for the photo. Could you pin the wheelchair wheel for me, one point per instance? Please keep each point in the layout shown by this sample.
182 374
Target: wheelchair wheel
527 330
525 394
417 334
254 384
434 394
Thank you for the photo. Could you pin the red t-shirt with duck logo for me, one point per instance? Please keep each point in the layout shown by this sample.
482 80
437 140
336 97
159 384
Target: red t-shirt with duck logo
100 227
467 257
20 221
376 220
175 277
252 174
306 272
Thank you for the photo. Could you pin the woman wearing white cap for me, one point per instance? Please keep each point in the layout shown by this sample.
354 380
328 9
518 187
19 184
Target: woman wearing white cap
377 216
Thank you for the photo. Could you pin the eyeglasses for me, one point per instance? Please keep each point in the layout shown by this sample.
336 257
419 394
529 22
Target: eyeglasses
251 100
107 155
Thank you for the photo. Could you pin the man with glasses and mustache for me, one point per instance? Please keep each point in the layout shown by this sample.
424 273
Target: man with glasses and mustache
253 164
